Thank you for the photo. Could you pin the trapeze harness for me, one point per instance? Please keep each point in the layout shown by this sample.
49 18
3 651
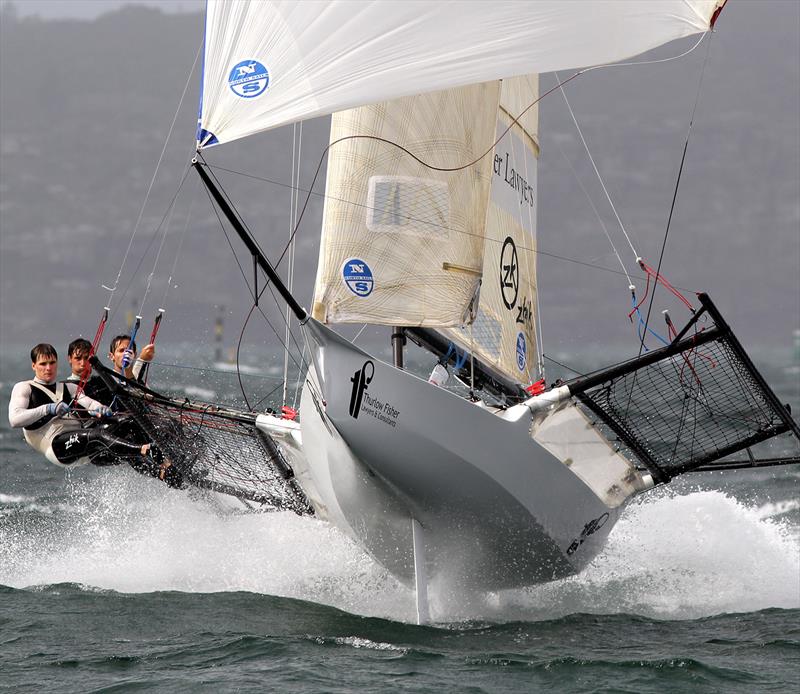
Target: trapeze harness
64 441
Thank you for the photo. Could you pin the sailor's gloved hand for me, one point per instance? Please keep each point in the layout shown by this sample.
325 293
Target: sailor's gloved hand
127 358
148 352
59 409
102 411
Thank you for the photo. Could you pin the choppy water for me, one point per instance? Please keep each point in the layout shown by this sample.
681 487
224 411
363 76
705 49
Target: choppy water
111 582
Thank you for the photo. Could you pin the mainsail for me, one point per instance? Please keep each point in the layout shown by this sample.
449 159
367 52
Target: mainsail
271 63
406 198
428 224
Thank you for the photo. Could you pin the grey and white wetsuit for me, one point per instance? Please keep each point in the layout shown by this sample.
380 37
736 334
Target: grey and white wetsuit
62 440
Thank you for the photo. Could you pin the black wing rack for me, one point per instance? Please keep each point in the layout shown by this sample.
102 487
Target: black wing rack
688 405
213 447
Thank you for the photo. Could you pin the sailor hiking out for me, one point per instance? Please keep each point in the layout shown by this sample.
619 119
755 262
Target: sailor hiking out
42 408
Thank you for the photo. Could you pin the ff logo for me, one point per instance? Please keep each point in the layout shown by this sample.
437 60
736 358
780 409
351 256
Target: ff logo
358 277
361 379
248 79
509 273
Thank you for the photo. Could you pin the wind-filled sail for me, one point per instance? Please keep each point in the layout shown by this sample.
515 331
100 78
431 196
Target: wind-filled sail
406 199
503 332
271 63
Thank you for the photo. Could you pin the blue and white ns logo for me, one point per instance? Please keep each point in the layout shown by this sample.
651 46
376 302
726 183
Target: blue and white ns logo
248 79
522 351
358 277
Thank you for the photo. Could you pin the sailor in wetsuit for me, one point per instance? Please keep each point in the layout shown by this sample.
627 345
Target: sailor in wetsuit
41 407
122 352
78 354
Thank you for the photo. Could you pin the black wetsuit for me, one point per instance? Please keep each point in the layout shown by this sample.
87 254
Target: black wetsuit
127 426
64 440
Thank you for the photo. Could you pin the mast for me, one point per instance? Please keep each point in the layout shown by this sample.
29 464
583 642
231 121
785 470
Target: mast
398 342
248 241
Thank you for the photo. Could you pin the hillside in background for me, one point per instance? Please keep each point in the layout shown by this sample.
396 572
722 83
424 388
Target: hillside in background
85 108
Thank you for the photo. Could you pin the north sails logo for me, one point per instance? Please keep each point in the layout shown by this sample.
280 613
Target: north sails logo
358 277
248 79
361 380
522 351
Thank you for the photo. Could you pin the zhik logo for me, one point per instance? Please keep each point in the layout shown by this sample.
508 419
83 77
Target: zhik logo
361 380
509 271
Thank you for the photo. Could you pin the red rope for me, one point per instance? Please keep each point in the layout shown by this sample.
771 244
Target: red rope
660 278
636 308
87 369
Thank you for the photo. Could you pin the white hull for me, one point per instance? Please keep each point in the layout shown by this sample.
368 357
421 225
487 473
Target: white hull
497 509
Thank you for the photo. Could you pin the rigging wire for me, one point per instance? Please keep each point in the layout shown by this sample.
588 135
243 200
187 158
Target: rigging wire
267 284
256 297
657 274
514 121
295 184
596 212
532 249
675 193
180 245
600 179
113 288
151 241
170 212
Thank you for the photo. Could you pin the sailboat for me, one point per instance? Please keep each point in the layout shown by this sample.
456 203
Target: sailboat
429 228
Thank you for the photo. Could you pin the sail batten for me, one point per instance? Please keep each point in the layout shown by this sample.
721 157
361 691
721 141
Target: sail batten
271 63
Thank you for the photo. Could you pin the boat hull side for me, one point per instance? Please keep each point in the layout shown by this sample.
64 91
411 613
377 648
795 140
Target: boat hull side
497 509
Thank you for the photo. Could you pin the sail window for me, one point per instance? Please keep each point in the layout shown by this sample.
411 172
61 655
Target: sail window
487 333
408 205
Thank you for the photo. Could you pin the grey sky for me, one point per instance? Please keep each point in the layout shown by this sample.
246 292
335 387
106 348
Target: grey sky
90 9
77 154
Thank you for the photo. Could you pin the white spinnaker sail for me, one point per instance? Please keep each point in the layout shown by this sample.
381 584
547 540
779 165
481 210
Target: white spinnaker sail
402 242
270 63
503 332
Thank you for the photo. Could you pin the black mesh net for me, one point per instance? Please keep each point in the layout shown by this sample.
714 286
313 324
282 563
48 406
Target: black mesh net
688 405
216 448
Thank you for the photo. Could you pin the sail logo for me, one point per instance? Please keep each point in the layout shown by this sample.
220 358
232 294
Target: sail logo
509 273
360 380
248 79
370 405
358 277
514 179
522 351
589 529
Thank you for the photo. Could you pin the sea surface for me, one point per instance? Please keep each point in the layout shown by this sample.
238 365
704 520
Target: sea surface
110 582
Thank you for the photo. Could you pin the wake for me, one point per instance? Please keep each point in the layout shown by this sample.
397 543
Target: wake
669 557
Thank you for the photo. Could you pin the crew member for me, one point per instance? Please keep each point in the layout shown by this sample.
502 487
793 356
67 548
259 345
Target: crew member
41 407
122 351
78 354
